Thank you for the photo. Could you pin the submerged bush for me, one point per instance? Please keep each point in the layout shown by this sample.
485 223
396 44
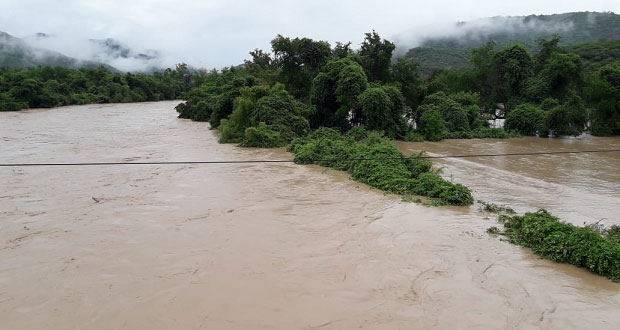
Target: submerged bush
526 119
262 136
378 163
552 239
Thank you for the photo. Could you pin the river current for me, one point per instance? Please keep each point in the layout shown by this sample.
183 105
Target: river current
278 246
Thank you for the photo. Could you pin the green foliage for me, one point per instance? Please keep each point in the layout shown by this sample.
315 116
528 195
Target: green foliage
404 75
592 36
274 108
494 208
434 59
48 87
393 174
432 185
376 55
300 61
334 92
262 136
342 88
382 109
526 119
454 114
568 118
602 92
597 54
214 100
565 243
432 124
513 66
613 233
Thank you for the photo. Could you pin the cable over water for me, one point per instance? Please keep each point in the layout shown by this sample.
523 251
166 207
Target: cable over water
312 161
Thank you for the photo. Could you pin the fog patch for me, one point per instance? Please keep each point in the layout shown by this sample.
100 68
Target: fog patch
480 30
106 51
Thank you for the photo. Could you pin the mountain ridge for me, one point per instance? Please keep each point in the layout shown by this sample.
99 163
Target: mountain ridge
452 50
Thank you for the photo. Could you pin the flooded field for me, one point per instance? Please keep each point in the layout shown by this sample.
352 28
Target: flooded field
276 246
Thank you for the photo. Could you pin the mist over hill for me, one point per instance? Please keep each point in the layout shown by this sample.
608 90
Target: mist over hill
439 46
17 53
450 47
42 49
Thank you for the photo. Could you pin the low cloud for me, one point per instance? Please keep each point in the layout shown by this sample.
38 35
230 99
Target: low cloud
216 33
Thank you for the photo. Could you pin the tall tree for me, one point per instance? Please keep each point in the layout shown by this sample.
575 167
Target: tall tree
300 60
376 56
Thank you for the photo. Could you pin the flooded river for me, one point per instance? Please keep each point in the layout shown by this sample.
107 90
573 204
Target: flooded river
274 246
579 188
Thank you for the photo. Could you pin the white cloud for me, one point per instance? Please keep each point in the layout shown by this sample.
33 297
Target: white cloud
214 33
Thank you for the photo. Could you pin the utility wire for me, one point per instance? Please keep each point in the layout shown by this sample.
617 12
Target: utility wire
311 161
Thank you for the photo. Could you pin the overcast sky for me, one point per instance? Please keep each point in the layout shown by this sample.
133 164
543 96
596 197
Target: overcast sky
215 33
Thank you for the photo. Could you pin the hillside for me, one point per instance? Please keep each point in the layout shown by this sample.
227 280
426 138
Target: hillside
452 50
15 53
597 54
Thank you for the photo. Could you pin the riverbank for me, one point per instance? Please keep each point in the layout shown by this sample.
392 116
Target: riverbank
273 246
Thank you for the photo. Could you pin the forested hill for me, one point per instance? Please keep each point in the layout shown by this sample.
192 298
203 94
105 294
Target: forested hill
15 53
452 49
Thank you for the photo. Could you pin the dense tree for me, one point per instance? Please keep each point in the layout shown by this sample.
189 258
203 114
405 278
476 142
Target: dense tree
405 76
383 109
376 54
603 93
55 86
300 61
512 67
432 124
568 118
345 89
334 92
527 119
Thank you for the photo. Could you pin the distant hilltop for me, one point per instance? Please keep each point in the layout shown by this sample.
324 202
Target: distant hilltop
42 49
451 48
16 53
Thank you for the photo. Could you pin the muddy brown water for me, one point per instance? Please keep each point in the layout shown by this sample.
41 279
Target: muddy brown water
268 246
579 188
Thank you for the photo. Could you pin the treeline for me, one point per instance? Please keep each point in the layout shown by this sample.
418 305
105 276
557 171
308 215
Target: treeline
47 87
305 84
548 93
310 84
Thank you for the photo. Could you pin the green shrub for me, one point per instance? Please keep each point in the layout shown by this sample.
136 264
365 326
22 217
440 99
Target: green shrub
262 136
432 125
457 194
7 103
375 160
357 133
614 233
413 137
561 242
526 119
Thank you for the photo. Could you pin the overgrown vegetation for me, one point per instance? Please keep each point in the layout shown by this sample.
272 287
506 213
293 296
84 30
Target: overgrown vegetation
378 164
48 87
494 208
315 85
588 247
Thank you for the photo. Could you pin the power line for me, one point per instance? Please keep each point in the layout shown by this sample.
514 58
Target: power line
311 161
